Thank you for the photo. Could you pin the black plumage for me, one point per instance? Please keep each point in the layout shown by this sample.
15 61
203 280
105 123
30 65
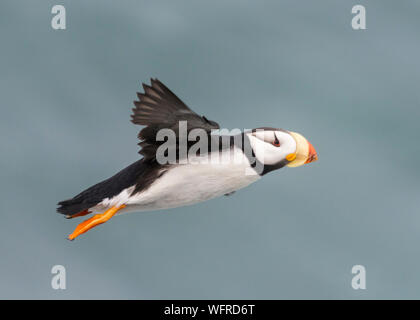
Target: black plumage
157 108
105 189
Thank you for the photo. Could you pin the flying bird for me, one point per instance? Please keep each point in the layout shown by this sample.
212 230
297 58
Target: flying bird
150 184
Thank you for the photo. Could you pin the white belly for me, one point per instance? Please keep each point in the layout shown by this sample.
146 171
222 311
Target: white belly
187 184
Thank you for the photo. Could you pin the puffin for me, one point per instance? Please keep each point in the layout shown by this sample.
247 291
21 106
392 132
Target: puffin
173 171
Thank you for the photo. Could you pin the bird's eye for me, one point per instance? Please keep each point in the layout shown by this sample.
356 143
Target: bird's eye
276 142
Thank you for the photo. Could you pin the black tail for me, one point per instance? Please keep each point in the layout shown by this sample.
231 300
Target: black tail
105 189
73 206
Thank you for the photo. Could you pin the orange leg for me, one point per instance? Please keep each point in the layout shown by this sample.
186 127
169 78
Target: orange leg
94 221
79 214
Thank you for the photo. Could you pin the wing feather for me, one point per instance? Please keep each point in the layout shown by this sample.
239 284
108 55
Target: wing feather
159 108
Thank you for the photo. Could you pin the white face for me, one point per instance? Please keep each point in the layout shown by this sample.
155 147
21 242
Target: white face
272 146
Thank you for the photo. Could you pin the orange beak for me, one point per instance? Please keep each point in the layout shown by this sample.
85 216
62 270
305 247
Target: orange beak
312 156
305 152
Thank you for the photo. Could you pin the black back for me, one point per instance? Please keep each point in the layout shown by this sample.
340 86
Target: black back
140 173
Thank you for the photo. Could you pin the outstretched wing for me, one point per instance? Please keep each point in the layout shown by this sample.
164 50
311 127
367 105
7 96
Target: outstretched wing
159 108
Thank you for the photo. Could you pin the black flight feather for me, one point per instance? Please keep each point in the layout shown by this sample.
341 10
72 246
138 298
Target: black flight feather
157 108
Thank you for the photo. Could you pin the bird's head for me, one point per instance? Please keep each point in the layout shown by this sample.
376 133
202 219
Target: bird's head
275 148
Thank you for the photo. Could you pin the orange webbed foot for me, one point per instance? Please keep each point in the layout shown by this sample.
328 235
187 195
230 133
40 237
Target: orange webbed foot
92 222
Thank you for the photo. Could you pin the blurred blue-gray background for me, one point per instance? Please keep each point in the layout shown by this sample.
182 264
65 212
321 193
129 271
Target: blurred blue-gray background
66 97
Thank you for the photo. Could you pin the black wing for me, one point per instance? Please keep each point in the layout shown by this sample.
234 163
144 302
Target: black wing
105 189
159 108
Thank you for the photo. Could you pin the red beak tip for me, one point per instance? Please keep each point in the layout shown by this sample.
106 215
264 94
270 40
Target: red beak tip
312 156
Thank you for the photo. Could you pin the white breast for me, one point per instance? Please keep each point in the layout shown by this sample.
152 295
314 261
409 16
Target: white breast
190 183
